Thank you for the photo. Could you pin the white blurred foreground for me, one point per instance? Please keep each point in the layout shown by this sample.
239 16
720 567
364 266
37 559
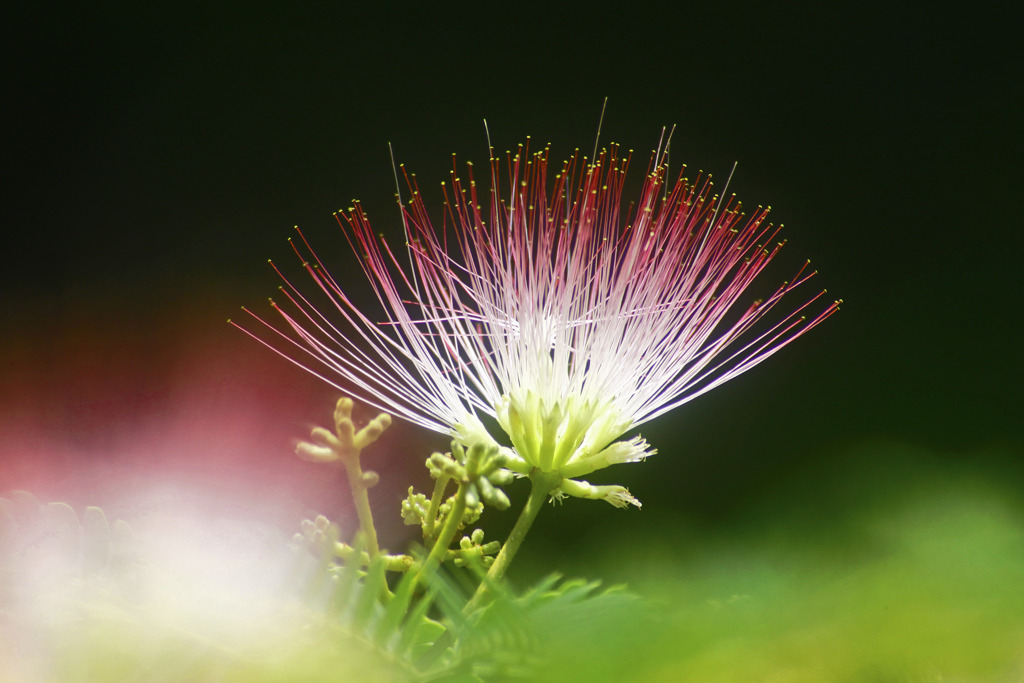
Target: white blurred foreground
173 598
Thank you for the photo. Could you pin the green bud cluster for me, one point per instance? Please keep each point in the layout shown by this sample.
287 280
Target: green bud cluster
318 535
415 508
473 551
480 469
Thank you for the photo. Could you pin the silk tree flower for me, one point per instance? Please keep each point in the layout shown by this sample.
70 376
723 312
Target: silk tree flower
564 315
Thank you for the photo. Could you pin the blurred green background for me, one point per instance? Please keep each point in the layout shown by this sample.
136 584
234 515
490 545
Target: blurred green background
849 510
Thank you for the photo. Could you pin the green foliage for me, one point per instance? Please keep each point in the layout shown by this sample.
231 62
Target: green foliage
869 577
349 621
907 585
428 634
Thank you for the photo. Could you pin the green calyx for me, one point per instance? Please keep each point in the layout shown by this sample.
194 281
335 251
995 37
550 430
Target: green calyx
553 434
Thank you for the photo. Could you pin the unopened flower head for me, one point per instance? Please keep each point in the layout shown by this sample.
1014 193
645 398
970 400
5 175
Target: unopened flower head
550 303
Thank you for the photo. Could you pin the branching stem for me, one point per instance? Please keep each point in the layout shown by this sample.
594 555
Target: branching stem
542 485
362 502
452 522
435 503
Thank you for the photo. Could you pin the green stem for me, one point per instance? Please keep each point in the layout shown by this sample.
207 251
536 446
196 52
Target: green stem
362 502
435 502
437 554
542 485
452 523
394 563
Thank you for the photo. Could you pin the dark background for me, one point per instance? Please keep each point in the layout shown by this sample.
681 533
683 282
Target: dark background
154 158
